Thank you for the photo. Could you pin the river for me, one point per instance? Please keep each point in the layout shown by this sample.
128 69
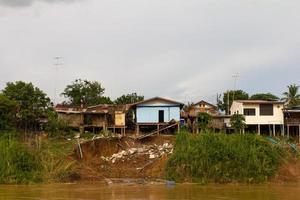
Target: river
89 191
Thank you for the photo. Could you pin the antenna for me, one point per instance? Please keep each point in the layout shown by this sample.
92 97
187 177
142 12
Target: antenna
57 63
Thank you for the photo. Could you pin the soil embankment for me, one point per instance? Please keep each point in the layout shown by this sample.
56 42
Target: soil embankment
124 158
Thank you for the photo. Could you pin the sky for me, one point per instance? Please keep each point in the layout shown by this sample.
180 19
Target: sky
183 50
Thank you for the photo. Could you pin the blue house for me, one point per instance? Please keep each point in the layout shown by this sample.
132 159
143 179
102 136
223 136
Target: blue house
157 111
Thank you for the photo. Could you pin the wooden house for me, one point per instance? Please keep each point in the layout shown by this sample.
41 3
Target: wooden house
292 121
157 112
95 118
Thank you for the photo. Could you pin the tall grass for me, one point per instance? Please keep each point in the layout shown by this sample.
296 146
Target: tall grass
24 163
18 164
222 158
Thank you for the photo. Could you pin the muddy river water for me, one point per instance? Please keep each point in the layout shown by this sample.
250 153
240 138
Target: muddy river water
89 191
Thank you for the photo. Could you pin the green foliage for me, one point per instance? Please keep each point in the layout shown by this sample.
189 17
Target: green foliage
85 92
237 122
292 96
33 103
264 96
222 158
236 94
204 119
129 99
18 164
8 111
56 127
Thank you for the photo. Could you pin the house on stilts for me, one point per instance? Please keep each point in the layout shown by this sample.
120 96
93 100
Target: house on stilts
156 115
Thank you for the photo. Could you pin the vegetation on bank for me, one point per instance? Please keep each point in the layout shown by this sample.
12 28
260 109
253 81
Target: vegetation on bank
33 162
221 158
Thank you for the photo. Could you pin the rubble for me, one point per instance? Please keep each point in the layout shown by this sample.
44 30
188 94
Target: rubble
153 151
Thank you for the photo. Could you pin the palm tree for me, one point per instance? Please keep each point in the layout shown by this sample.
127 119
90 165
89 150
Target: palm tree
291 97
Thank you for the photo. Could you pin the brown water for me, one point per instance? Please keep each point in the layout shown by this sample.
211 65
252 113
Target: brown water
89 191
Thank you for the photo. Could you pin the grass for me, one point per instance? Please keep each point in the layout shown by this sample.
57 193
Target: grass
222 158
25 163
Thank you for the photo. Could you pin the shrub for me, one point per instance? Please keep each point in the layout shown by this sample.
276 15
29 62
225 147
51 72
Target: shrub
221 158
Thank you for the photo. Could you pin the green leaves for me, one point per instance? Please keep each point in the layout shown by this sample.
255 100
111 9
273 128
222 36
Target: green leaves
237 122
85 92
129 99
292 96
32 102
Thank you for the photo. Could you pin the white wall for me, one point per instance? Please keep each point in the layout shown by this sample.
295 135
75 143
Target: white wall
277 117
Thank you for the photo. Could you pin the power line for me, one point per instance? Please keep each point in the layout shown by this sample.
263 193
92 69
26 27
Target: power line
58 62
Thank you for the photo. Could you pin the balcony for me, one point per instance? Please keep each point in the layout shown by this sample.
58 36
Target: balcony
292 121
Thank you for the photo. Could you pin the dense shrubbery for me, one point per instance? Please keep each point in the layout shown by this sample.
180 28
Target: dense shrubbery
222 158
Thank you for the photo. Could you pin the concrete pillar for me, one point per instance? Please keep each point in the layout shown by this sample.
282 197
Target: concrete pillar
288 131
274 130
282 130
258 129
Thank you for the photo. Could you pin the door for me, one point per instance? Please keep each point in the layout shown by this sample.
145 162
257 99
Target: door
161 116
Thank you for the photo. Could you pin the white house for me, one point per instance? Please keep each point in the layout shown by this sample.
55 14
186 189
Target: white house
261 116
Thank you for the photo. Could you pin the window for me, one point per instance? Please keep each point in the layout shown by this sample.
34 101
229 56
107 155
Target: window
249 111
266 109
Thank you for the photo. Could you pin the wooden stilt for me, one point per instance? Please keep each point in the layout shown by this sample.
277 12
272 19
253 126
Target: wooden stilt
158 129
137 130
258 129
288 131
274 129
299 135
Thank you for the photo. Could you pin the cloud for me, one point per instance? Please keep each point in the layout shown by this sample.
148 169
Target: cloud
26 3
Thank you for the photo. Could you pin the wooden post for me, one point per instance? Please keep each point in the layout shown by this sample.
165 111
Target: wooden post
258 129
274 129
299 135
178 127
158 129
288 131
137 129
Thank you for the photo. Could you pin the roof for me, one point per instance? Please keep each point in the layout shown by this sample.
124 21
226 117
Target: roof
259 102
97 109
205 102
158 98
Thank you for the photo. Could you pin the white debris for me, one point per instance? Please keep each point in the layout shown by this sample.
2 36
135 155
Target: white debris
154 151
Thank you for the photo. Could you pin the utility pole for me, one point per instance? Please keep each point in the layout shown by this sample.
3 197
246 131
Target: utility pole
235 77
57 63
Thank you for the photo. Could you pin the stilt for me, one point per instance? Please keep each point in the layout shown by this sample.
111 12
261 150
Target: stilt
282 130
270 131
274 129
288 131
178 127
137 130
258 129
299 135
158 129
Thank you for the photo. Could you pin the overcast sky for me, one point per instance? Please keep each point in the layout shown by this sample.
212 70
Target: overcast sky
187 50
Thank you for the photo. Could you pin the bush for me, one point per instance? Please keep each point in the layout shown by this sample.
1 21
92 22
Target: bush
221 158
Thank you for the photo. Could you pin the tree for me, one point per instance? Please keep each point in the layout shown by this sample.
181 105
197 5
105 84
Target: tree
88 93
204 119
236 94
8 111
264 96
129 99
291 97
33 102
237 122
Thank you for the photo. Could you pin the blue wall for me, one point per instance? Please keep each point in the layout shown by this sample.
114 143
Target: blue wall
149 113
